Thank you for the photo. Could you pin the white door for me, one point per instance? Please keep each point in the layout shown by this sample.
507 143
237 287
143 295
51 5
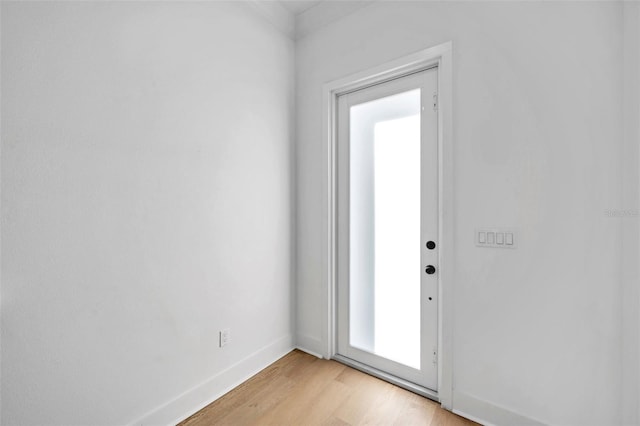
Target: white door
387 227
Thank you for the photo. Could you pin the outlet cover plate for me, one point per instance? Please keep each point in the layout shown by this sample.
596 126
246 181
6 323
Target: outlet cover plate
225 336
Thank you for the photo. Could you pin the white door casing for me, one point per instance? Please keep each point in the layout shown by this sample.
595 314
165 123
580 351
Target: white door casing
440 56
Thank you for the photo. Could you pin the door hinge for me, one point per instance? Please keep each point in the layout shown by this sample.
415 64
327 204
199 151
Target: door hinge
435 101
435 355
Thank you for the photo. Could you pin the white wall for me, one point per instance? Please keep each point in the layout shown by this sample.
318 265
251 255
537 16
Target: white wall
630 202
146 175
538 146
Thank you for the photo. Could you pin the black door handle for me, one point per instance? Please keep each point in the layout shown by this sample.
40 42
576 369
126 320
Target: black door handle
430 269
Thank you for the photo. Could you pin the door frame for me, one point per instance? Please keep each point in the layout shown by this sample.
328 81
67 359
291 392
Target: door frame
438 56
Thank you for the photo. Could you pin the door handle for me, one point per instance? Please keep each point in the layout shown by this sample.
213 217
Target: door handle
430 269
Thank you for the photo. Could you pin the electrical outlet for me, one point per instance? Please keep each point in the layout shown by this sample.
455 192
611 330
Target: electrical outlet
225 336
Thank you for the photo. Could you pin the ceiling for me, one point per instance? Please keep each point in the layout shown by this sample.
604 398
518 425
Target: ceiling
298 6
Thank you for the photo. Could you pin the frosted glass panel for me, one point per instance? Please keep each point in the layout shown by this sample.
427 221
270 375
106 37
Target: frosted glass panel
384 293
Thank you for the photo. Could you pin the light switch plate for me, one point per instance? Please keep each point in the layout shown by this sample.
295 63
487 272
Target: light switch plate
496 238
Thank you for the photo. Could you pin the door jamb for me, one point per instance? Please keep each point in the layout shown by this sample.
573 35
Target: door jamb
440 56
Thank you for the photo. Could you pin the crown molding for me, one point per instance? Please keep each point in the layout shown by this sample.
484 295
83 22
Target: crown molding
276 14
324 14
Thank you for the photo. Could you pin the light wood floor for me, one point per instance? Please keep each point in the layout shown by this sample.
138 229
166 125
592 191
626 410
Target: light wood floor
300 389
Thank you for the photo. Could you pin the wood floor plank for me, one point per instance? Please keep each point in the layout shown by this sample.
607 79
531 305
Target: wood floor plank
300 389
307 397
447 418
369 391
387 410
258 405
232 403
417 411
334 421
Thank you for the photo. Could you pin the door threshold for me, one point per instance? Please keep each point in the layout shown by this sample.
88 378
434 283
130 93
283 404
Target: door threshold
412 387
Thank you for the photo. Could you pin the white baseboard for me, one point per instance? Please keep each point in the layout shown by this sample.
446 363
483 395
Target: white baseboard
305 350
488 414
204 394
309 344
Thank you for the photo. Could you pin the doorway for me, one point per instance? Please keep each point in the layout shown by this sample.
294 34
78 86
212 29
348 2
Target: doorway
387 228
